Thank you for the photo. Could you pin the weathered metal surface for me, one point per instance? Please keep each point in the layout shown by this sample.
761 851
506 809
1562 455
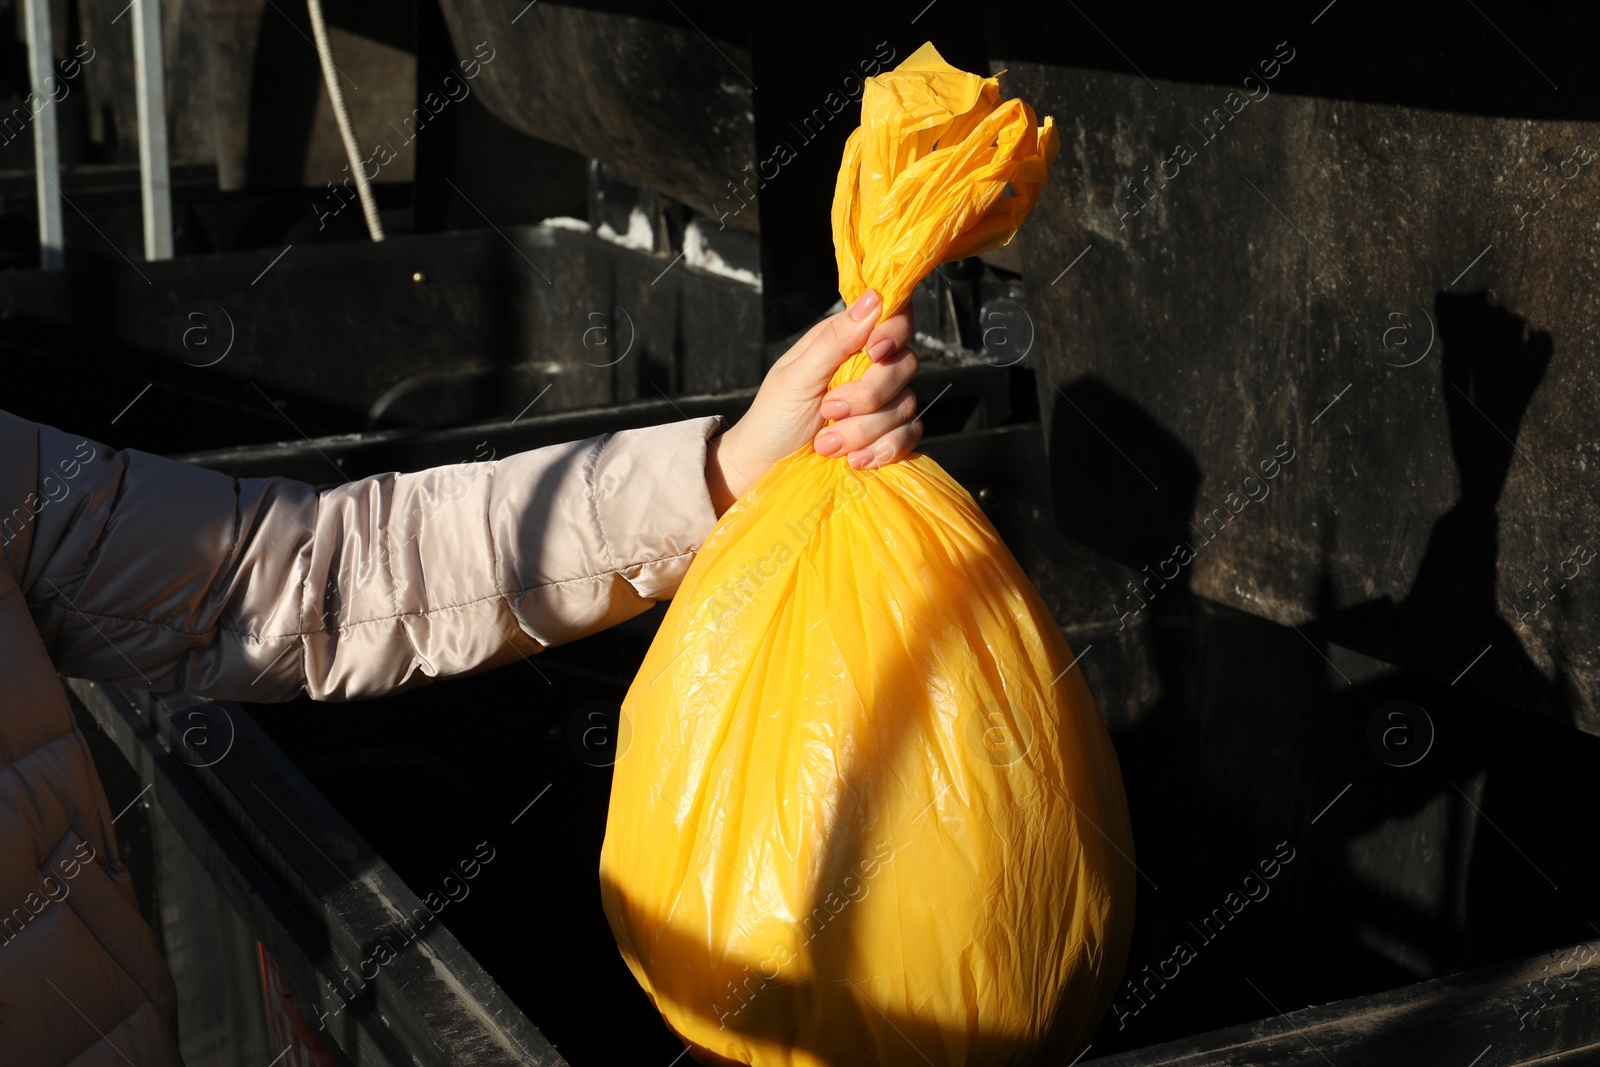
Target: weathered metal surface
1370 289
269 115
263 346
1459 1019
597 81
970 396
155 158
237 875
43 84
374 966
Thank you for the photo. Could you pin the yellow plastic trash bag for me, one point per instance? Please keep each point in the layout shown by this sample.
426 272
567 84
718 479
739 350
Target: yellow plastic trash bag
869 813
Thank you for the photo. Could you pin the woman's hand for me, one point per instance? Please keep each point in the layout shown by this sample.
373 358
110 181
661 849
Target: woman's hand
874 415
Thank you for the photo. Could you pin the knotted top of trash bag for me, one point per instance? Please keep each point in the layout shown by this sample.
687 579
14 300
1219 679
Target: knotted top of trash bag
940 169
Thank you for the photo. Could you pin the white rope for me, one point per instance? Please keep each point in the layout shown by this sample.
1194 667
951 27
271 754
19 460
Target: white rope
330 77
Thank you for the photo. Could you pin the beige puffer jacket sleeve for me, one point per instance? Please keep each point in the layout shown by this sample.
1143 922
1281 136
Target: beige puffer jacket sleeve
150 572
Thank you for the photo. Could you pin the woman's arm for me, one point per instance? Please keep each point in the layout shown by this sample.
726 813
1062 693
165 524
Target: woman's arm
150 572
145 571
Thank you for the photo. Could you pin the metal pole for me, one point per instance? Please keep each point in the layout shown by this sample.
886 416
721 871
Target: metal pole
46 151
155 176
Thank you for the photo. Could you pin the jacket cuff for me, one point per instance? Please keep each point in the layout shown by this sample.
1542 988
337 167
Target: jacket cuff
651 501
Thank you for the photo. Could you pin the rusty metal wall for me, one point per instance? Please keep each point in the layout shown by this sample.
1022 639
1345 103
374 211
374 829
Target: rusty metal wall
1229 272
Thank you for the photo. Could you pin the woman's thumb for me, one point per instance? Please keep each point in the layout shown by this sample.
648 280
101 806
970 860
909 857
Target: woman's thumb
840 338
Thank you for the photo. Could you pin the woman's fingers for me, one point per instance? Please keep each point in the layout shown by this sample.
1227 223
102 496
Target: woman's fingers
872 390
862 433
820 350
840 337
892 447
889 337
873 415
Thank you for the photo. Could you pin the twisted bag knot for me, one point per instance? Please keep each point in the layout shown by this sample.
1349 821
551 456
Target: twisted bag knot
940 169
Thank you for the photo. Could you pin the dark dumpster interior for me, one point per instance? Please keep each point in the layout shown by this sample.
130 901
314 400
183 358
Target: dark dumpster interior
1381 668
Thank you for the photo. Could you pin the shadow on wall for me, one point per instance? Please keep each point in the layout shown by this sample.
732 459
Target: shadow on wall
1406 866
1490 367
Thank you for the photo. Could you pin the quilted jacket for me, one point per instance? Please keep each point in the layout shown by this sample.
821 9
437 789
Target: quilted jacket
134 569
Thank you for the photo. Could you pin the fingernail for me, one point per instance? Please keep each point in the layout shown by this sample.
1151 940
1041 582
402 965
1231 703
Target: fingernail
861 458
828 444
865 305
835 409
880 349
